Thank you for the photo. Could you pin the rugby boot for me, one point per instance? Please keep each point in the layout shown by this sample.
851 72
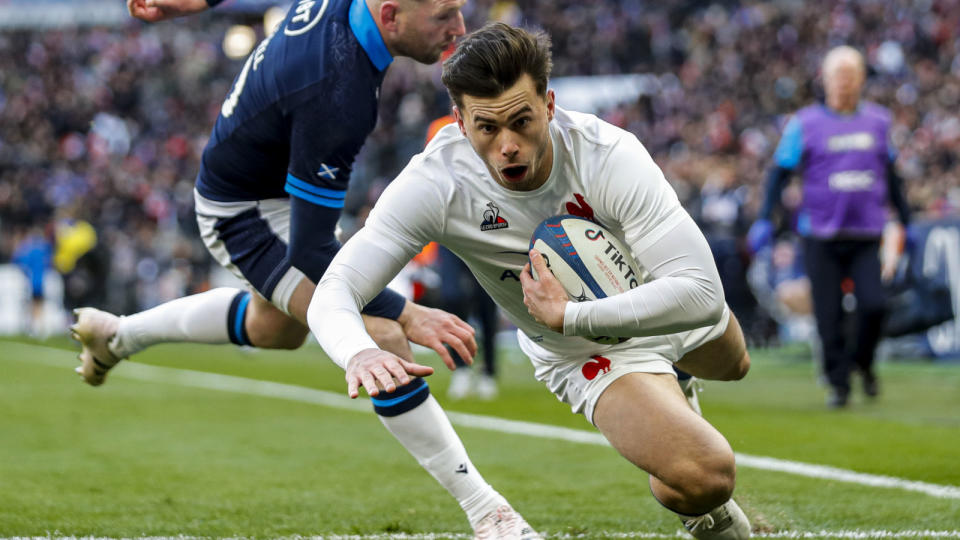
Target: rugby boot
725 522
94 329
504 523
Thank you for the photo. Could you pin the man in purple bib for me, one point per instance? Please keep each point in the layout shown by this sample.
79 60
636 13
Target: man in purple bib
842 149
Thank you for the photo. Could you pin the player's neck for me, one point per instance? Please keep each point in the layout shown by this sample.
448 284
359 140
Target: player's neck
843 106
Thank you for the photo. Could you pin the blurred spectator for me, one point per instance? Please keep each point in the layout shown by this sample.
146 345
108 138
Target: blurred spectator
33 255
842 149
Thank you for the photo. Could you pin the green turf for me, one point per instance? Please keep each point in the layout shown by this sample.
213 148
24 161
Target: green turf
136 458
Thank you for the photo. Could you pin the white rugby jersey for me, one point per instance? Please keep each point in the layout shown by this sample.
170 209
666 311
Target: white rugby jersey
446 194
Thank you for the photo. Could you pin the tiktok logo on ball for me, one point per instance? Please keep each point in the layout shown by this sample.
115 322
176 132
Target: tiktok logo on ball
599 364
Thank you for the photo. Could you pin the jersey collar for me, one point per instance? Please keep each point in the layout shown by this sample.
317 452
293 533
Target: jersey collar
367 33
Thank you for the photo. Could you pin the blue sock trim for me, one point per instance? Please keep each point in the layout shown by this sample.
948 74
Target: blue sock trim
235 316
401 400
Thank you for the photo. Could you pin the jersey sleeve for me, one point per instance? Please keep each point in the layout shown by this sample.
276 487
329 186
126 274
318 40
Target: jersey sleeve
685 291
634 195
404 218
320 160
790 148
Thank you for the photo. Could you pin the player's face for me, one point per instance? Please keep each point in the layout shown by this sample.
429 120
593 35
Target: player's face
511 134
842 85
427 28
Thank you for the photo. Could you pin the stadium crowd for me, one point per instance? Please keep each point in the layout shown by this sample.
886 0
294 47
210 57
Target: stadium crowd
106 125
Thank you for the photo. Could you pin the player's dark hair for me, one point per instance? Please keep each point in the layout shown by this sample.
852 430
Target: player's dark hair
492 59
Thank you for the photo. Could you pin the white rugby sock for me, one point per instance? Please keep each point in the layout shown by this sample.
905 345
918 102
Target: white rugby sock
199 318
426 433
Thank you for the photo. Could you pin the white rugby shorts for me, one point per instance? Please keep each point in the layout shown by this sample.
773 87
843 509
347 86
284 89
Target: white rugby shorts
579 381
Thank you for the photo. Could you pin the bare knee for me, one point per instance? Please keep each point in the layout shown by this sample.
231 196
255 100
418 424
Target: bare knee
697 487
739 369
389 336
270 328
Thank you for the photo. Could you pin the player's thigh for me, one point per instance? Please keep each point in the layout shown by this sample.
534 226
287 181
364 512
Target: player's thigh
646 418
724 358
388 335
249 238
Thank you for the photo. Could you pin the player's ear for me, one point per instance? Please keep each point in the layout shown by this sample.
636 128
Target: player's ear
551 104
388 15
459 118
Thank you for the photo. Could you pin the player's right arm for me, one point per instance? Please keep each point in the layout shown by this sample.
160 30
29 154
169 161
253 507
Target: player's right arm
403 220
159 10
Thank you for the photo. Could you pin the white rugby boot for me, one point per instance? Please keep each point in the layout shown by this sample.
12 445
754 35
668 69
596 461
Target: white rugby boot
486 387
461 384
691 387
504 523
725 522
94 329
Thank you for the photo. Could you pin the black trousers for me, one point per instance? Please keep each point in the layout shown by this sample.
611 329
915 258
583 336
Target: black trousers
828 263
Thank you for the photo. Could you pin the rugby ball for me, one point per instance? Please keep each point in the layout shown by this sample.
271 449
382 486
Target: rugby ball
588 260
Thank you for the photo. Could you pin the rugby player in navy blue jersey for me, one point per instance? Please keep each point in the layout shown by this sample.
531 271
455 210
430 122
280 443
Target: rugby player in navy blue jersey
270 190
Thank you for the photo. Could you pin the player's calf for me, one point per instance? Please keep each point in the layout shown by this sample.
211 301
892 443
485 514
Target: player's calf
267 327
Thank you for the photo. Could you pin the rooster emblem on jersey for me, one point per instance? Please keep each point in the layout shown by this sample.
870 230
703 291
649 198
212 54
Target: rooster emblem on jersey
492 219
581 208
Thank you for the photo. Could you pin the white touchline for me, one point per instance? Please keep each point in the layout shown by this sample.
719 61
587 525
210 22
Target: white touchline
242 385
852 534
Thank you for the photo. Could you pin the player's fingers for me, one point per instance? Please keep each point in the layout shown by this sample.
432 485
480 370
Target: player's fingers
398 372
353 389
526 278
369 383
461 324
465 347
538 262
384 379
415 369
444 355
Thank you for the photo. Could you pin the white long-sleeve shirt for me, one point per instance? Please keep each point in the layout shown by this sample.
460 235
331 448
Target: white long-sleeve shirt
446 194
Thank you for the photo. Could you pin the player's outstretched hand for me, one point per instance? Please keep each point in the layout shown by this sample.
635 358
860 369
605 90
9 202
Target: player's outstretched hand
378 370
158 10
434 327
545 298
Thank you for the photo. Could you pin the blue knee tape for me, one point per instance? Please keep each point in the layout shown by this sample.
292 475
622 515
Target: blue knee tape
402 399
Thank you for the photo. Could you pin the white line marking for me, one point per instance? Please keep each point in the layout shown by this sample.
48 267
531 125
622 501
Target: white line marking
241 385
603 534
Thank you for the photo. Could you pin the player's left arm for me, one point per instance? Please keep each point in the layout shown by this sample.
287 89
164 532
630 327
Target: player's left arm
685 291
159 10
393 235
317 178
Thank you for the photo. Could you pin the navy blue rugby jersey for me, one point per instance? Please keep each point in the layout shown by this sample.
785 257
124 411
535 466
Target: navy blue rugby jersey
301 108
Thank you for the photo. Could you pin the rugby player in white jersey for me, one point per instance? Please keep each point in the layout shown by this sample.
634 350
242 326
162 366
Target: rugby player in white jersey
516 156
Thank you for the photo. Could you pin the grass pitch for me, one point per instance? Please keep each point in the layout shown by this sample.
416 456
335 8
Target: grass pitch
148 455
